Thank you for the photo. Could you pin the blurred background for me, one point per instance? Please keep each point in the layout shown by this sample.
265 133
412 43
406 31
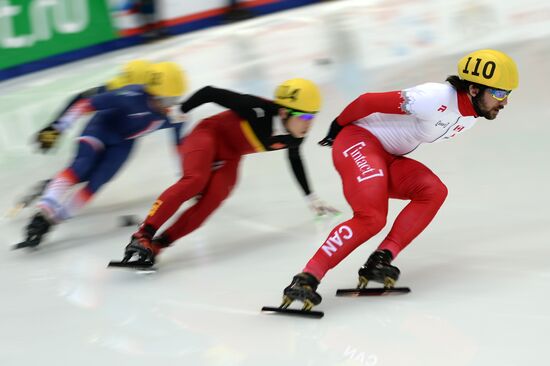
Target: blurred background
479 273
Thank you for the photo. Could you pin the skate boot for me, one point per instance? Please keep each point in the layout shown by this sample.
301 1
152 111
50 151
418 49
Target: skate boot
142 249
35 230
378 269
302 288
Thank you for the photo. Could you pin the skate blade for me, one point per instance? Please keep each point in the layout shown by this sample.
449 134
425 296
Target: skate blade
372 291
138 267
295 312
24 244
14 211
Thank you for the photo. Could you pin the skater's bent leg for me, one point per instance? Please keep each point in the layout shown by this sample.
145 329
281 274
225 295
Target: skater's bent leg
412 180
219 187
105 169
78 200
197 174
344 238
90 151
362 164
198 154
51 201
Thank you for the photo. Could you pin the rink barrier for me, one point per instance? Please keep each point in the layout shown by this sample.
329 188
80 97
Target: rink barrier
132 36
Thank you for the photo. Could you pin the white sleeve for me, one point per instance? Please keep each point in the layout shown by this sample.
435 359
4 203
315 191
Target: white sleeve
423 101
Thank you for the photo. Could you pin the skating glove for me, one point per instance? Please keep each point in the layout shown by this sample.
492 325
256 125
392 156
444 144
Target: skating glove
333 131
177 116
319 207
47 138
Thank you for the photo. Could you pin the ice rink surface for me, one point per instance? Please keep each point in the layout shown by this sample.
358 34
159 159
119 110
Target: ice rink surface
480 274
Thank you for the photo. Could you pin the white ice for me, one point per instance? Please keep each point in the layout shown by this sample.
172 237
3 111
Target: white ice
479 274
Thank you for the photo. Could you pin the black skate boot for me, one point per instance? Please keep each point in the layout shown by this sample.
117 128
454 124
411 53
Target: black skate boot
302 288
35 230
142 249
378 269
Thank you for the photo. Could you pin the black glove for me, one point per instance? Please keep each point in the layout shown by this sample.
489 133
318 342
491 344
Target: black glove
327 141
334 130
47 138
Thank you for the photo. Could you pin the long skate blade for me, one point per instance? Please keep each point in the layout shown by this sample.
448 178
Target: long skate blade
136 266
305 313
372 291
14 211
32 194
23 244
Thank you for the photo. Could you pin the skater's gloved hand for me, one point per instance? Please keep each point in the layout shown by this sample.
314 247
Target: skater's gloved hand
333 131
47 137
319 207
327 141
177 116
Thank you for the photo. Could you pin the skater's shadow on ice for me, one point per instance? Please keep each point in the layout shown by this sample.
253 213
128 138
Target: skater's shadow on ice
211 253
474 274
111 211
68 241
92 229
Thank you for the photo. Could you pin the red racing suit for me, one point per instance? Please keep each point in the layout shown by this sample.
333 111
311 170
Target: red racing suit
376 131
211 155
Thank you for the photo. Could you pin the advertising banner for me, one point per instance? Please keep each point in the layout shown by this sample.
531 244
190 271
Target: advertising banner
34 29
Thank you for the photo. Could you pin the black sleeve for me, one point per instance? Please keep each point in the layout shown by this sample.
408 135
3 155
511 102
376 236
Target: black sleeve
334 129
298 168
242 104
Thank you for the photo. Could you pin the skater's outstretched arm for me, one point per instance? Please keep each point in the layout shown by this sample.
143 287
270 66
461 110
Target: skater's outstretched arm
319 207
47 137
333 131
66 118
298 168
363 106
368 103
242 104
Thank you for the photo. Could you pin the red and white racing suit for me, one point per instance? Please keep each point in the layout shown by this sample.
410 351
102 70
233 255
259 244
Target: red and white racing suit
368 153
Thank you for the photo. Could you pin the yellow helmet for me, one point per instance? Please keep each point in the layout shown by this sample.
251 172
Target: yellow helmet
136 71
166 79
115 83
489 67
299 94
133 72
